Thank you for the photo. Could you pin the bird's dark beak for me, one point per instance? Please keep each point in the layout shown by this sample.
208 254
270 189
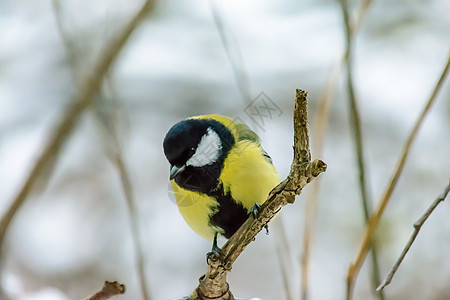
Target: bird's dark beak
174 171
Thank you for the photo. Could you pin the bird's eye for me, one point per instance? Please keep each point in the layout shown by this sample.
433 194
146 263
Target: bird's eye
191 151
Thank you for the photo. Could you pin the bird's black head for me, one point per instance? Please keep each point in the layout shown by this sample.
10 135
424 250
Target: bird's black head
196 149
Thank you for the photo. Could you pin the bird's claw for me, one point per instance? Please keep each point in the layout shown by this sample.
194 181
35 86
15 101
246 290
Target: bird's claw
214 254
255 210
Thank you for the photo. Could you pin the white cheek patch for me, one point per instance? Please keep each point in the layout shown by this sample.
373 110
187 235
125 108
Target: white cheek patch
208 150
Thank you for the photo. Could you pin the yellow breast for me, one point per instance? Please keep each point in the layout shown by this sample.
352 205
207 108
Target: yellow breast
196 209
248 175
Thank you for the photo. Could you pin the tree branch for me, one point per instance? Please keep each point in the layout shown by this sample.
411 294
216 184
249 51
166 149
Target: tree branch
417 227
108 290
213 284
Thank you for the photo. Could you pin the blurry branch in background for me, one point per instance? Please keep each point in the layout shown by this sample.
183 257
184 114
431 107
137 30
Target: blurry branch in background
319 127
69 45
355 125
41 171
213 284
376 215
107 116
284 256
109 290
417 227
233 53
362 12
320 123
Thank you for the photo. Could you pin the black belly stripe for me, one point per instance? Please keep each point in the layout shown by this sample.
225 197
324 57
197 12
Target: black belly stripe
230 214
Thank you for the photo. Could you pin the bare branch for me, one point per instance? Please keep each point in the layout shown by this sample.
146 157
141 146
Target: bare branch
376 215
109 290
417 227
69 45
282 246
213 284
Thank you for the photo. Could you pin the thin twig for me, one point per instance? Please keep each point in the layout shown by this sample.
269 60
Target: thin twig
320 124
283 252
68 43
233 53
376 215
213 284
417 227
133 216
355 121
42 170
362 12
355 118
108 290
115 154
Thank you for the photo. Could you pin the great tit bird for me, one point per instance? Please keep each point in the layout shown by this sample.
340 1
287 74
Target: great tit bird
219 173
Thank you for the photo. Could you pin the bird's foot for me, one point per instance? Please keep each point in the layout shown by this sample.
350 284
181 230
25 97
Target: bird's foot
255 212
215 254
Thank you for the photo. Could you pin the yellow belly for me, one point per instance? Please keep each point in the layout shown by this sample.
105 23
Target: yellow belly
196 209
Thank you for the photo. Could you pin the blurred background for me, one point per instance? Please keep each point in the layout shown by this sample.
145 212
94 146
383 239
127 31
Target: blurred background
233 58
